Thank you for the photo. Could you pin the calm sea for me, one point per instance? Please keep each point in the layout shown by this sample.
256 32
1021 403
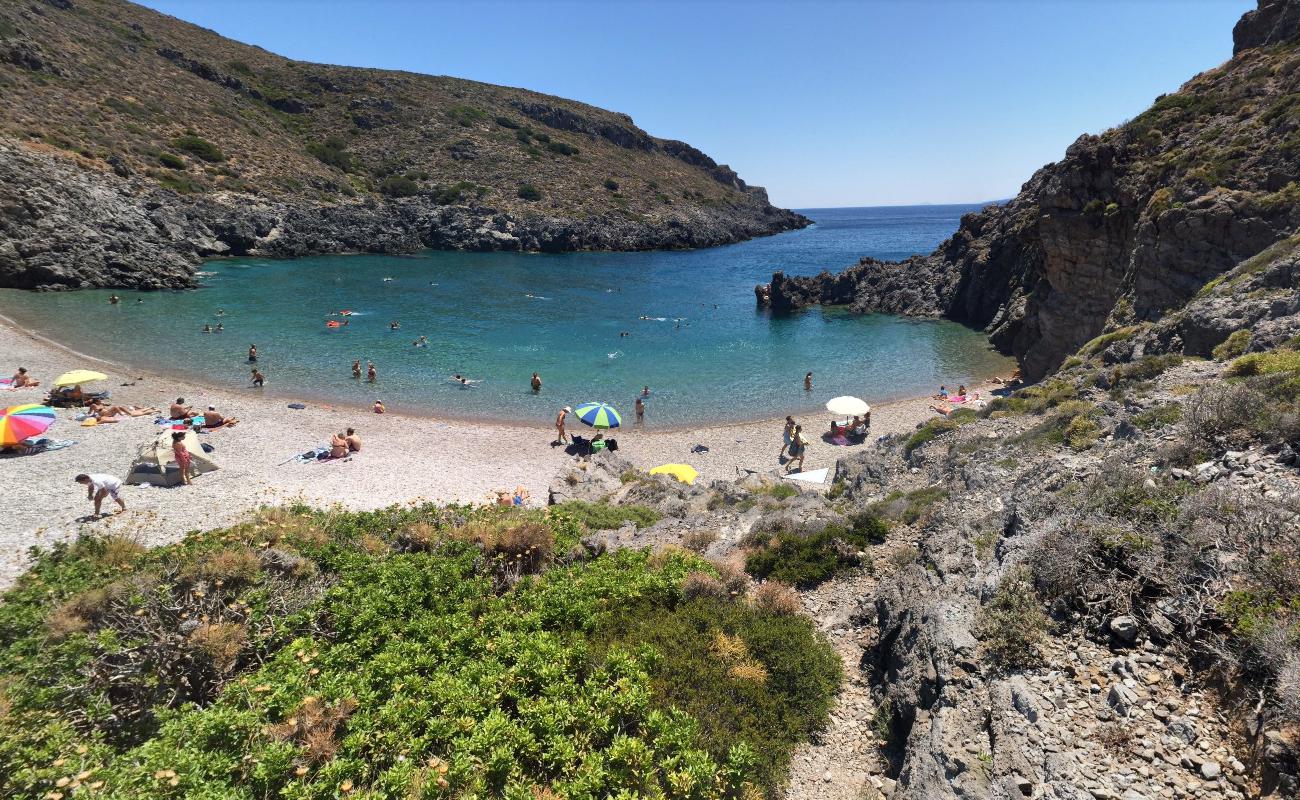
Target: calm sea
597 326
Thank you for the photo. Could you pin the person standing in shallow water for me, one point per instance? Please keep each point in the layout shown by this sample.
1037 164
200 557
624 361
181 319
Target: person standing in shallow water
356 369
640 410
536 383
252 354
371 374
807 382
258 378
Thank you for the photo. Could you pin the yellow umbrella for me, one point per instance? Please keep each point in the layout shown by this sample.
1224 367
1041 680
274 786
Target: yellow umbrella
79 376
682 472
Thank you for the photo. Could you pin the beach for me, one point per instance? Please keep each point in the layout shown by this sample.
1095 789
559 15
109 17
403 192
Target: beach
405 458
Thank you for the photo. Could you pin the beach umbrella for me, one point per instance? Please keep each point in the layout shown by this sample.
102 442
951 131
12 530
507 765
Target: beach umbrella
598 415
847 406
79 376
20 422
682 472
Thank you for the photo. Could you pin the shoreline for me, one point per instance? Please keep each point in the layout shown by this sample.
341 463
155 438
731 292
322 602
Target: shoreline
275 393
405 459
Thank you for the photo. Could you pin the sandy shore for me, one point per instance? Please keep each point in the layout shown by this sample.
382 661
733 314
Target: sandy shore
405 458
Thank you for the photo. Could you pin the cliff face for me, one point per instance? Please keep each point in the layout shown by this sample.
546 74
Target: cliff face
133 144
1128 226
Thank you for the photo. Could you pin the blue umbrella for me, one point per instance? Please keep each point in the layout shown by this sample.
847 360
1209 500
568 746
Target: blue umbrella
598 415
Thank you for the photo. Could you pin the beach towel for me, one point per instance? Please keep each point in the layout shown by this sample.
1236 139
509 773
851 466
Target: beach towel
813 476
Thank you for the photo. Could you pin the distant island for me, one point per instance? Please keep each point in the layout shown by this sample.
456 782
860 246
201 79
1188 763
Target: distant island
132 145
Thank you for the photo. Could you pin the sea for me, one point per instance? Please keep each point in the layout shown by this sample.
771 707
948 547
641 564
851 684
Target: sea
594 326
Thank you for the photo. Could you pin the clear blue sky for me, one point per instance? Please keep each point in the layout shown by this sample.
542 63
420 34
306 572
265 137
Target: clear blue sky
824 103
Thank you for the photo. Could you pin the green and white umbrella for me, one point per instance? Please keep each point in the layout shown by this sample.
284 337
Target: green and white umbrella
598 415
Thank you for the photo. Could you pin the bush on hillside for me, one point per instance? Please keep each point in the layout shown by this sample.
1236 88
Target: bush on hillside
399 186
332 151
810 560
319 654
199 148
171 161
529 192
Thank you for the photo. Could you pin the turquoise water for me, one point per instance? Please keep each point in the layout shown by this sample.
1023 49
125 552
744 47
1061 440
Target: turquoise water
706 352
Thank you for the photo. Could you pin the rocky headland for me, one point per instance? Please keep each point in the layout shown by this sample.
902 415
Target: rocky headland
1127 227
133 145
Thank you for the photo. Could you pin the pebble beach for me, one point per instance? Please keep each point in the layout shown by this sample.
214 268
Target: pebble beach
406 458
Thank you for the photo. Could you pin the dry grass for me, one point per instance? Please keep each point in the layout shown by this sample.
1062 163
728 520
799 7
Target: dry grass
774 597
699 541
221 642
314 727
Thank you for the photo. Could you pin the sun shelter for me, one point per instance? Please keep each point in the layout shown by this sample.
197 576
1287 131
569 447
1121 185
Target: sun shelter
155 462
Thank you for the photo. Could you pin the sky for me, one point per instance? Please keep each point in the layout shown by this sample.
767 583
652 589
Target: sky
877 102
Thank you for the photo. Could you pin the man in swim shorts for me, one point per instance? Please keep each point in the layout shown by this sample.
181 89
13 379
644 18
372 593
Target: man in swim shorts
98 486
559 424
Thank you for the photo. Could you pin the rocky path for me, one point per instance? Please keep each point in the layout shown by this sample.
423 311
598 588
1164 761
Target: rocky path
841 762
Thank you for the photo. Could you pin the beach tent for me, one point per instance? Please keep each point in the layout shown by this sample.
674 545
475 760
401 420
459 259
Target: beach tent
154 462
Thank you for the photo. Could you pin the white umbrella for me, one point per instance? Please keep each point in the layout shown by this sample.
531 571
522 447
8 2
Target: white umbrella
847 406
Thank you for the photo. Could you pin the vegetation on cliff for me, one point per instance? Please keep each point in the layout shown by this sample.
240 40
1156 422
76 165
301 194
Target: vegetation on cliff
420 652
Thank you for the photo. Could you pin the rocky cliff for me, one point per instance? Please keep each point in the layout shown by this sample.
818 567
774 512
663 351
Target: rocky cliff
1130 225
133 144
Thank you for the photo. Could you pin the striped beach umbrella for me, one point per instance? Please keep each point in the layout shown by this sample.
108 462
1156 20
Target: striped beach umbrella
598 415
20 422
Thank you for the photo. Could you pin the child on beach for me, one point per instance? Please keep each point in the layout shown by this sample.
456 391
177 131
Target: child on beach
258 378
182 456
379 407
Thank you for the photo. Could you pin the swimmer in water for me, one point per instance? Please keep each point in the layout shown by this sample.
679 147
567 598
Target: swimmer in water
252 353
219 328
394 325
371 373
536 383
423 341
114 299
207 328
139 300
356 369
645 391
221 312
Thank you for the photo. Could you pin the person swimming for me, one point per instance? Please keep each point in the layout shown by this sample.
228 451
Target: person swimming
423 341
113 299
221 312
219 328
394 325
207 328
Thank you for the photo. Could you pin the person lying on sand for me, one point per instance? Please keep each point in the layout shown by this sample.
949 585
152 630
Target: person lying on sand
942 408
353 440
103 413
23 380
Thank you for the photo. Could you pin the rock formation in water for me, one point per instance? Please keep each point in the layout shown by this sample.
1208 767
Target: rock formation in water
1129 226
132 145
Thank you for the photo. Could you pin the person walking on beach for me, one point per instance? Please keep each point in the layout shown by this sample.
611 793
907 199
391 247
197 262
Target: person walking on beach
252 354
787 438
798 448
356 369
559 425
536 383
182 456
371 374
807 382
640 410
258 378
98 486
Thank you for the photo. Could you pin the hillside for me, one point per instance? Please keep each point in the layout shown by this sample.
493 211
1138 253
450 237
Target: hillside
1131 224
132 144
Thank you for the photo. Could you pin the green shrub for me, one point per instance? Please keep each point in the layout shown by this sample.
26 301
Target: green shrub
1159 416
781 491
611 184
1033 399
399 186
939 425
529 192
907 507
1233 346
465 116
807 561
1160 201
1111 209
332 151
455 193
1105 340
506 122
1265 363
375 652
1093 206
603 516
1144 369
1012 624
179 183
171 160
524 136
561 148
199 148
